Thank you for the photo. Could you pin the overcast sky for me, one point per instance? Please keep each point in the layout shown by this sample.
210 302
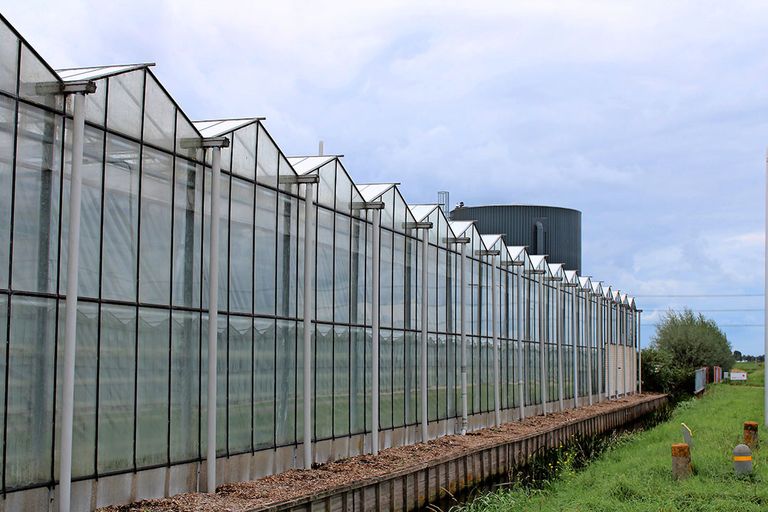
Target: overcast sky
649 117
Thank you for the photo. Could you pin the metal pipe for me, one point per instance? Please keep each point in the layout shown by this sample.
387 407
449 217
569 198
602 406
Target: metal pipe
495 336
765 301
588 326
375 333
639 355
576 335
70 328
520 382
463 316
424 334
559 336
309 289
213 316
624 373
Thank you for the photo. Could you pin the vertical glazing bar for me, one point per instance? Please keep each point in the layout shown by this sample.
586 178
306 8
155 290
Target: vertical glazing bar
213 317
495 335
463 318
519 365
424 333
599 327
590 331
375 332
309 293
576 335
70 329
559 312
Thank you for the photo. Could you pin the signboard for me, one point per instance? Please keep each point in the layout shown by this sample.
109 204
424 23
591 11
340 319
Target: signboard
736 375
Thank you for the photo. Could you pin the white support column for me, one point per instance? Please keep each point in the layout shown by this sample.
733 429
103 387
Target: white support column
543 373
600 345
495 335
463 317
213 316
624 337
639 353
309 289
519 365
70 325
375 332
589 331
615 331
559 336
424 334
576 335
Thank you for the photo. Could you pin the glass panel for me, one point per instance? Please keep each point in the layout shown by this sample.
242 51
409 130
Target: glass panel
244 151
187 233
326 194
324 270
358 377
341 381
398 378
90 212
30 391
343 190
35 74
323 404
264 250
117 362
7 131
159 115
358 273
185 385
239 384
84 420
96 104
186 132
3 341
341 269
121 217
155 255
9 59
241 247
36 219
266 159
287 216
385 379
264 383
125 101
152 389
285 381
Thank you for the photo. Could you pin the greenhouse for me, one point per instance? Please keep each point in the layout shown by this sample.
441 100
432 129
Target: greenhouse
346 320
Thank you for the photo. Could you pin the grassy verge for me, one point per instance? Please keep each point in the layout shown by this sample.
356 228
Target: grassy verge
755 374
636 474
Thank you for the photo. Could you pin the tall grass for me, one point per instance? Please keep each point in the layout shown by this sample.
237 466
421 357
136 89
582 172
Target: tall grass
636 474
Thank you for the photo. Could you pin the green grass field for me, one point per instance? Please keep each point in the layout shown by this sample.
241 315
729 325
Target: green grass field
755 374
635 475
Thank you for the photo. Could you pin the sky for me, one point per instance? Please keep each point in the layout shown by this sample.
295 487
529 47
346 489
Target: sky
647 116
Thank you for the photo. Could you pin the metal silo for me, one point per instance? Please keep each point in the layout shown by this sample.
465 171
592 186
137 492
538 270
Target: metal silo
550 230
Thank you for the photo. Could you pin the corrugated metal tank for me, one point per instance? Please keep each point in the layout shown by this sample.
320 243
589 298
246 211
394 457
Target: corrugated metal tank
550 230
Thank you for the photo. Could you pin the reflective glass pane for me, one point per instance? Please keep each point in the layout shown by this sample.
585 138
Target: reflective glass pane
244 151
341 386
159 115
155 255
121 219
9 58
239 383
285 382
264 250
3 369
341 269
264 383
117 363
36 219
287 217
34 78
152 390
30 391
186 133
323 403
124 104
187 233
185 385
326 192
7 131
241 247
266 159
324 270
90 212
358 377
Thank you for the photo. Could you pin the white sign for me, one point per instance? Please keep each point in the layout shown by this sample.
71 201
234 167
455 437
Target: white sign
738 375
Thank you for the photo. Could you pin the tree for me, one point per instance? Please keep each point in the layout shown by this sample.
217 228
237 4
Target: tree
693 341
737 355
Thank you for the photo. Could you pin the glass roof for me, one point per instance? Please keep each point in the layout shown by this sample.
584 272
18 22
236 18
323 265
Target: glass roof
572 277
422 211
490 240
372 191
307 164
585 283
94 73
217 127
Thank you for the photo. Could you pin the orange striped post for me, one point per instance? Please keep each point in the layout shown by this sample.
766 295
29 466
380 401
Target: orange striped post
750 434
681 461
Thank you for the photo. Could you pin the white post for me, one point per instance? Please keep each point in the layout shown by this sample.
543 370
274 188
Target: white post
213 316
309 288
70 329
639 354
588 327
520 382
375 333
495 335
544 378
424 334
576 336
559 334
599 344
463 318
625 337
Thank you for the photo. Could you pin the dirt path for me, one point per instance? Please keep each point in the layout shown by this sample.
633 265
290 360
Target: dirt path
294 484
